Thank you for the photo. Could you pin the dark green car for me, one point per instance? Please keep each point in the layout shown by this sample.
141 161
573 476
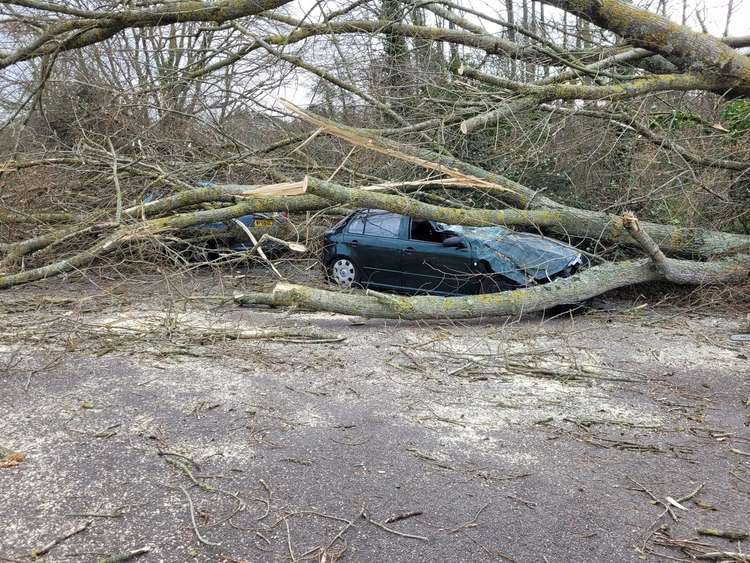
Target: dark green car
379 249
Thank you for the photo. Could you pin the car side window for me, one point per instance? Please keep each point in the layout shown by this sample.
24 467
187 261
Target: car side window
357 226
383 225
424 231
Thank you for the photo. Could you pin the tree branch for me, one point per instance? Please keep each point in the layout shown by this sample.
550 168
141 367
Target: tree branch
701 52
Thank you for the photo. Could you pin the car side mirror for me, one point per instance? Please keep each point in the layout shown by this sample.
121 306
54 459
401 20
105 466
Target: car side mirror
455 242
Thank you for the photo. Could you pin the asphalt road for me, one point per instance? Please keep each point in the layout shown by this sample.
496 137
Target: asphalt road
506 439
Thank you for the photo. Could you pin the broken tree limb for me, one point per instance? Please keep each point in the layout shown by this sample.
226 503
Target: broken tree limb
225 193
672 270
656 33
631 223
217 193
575 289
569 220
89 28
677 241
153 227
533 95
15 251
366 198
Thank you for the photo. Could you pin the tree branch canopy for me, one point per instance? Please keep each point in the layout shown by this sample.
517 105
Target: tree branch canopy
69 34
703 53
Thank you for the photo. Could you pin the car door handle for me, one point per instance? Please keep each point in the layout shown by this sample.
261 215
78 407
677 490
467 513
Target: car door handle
354 243
408 250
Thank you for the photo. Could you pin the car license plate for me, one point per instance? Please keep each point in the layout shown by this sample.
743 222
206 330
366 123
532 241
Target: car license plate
262 223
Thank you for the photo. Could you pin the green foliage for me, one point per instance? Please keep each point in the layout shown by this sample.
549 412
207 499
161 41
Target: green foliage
735 116
675 120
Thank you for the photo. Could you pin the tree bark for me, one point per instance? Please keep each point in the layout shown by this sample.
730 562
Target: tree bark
576 289
700 51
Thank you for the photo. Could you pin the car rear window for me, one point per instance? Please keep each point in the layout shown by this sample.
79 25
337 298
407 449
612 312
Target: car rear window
383 225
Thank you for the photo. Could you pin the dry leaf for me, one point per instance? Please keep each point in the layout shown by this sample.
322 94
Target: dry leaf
13 459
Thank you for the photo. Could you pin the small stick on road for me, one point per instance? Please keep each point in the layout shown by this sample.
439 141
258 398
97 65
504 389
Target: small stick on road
43 550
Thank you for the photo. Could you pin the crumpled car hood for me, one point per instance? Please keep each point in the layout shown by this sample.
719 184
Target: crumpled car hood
519 256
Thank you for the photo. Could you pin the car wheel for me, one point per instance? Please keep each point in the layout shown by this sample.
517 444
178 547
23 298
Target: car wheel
343 272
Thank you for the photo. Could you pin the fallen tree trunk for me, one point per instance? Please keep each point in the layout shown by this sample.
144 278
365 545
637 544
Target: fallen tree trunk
583 223
568 220
320 194
153 227
580 287
260 198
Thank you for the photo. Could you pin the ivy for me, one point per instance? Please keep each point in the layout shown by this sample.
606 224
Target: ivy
735 117
675 120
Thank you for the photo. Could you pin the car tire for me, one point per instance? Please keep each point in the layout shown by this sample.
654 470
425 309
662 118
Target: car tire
343 272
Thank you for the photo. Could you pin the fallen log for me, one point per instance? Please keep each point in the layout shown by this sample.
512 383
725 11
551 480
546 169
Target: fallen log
575 289
154 227
571 221
257 199
317 194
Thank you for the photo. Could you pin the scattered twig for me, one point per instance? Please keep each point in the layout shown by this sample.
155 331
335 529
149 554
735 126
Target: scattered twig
192 519
527 503
391 530
267 501
117 513
43 550
126 556
724 556
728 534
402 516
343 530
471 523
289 541
690 496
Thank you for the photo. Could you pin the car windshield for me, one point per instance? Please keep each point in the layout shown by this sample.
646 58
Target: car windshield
480 232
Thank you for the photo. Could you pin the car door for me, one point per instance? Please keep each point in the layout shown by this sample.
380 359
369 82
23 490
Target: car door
434 268
374 238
